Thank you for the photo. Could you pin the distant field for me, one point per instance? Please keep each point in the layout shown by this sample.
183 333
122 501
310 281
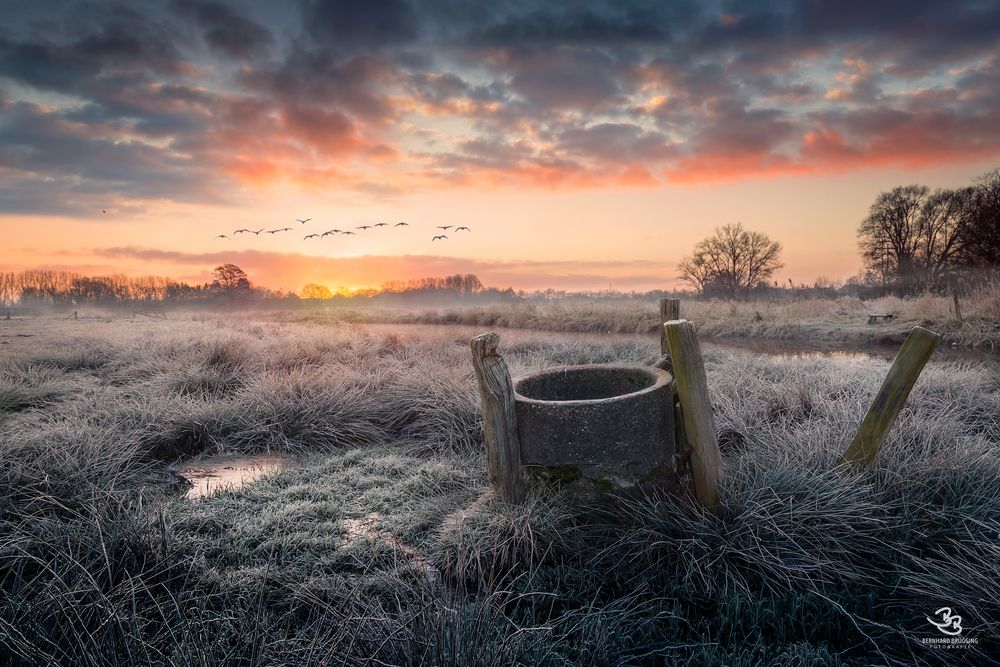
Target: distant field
842 320
383 544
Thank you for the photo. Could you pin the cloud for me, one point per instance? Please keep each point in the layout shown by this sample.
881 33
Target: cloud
604 25
617 142
386 97
226 31
82 165
366 26
92 41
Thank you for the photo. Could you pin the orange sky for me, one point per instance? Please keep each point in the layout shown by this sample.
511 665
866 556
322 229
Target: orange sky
585 144
575 239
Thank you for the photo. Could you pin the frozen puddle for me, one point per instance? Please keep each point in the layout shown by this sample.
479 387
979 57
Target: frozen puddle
212 474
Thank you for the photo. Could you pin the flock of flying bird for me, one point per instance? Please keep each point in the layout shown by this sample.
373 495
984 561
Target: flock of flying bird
332 232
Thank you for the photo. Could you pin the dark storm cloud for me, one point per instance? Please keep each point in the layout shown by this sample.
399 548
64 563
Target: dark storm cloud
34 141
568 79
578 25
334 92
917 35
318 76
91 40
225 31
368 25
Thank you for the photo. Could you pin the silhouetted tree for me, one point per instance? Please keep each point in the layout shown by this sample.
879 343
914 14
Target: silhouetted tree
982 237
941 235
231 280
889 235
314 291
915 239
733 260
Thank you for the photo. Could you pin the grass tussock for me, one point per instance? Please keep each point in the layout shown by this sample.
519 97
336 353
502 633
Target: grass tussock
384 545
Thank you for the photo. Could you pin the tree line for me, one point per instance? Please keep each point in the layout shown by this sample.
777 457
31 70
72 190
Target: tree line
229 284
912 240
36 287
916 239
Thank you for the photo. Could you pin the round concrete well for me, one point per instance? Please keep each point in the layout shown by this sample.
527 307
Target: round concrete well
605 422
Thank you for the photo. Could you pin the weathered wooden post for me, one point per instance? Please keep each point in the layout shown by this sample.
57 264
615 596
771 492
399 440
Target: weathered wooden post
696 409
891 397
503 450
670 309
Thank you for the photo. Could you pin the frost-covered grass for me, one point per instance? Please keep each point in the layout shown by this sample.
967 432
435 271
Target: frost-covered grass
102 562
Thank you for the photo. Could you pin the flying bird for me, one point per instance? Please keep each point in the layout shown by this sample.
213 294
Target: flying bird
351 233
241 231
445 227
458 229
329 233
310 236
257 233
222 236
303 221
283 229
382 224
103 211
440 236
401 224
363 227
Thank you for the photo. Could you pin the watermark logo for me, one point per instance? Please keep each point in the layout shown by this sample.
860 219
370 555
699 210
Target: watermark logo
950 624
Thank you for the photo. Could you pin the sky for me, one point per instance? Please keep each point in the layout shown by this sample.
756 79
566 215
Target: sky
585 144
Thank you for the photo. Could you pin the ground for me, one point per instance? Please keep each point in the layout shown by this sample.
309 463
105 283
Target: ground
383 543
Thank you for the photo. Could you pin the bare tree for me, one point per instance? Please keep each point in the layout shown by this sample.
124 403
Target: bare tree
916 239
941 234
983 233
889 236
733 260
8 288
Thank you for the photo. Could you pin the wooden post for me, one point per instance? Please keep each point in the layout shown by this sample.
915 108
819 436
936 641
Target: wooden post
670 309
696 409
891 397
958 306
503 450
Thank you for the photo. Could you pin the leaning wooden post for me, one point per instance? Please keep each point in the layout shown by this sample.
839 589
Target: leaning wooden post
503 450
891 397
696 409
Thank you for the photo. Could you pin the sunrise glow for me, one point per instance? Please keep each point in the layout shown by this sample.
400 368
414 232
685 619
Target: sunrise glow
584 147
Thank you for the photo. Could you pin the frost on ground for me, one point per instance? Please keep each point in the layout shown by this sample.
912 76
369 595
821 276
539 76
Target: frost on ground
383 544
